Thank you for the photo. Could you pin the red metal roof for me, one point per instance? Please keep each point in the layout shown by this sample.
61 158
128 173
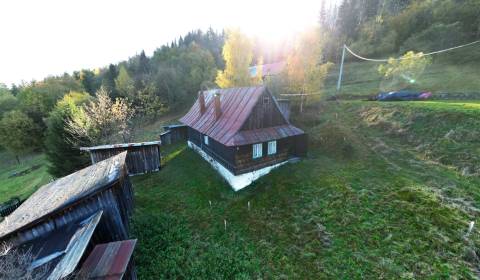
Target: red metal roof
109 260
236 106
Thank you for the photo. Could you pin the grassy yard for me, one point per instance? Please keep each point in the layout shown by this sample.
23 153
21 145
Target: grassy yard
22 186
388 191
366 203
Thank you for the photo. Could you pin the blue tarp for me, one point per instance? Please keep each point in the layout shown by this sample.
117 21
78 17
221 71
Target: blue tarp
403 95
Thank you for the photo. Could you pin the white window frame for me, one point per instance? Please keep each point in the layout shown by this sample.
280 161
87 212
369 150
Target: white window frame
205 139
257 150
272 147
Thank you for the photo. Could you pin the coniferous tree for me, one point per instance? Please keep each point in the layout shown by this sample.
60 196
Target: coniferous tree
109 80
62 148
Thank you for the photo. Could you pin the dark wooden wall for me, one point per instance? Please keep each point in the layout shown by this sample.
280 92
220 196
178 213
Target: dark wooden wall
116 201
140 159
239 159
264 114
174 134
245 162
223 154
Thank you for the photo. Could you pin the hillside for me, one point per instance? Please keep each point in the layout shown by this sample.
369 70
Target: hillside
381 194
388 189
35 167
449 73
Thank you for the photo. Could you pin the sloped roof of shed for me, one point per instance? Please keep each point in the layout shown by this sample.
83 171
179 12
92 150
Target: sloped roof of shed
109 260
63 192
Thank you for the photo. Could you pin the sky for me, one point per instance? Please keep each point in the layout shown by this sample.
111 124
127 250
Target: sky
49 37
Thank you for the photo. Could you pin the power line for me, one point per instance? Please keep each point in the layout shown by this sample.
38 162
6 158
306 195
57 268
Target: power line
339 83
403 58
300 94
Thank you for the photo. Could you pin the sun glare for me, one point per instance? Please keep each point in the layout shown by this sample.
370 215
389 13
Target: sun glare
276 21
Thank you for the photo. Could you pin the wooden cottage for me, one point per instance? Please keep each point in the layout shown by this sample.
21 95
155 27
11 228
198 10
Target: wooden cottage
242 133
61 220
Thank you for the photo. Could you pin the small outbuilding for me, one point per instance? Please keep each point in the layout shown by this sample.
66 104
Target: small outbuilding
142 157
63 219
242 133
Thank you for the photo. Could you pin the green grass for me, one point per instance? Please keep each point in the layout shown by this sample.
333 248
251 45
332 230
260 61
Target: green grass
22 186
364 204
382 194
362 78
149 130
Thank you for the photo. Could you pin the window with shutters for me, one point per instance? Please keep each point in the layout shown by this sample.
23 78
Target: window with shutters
257 150
272 147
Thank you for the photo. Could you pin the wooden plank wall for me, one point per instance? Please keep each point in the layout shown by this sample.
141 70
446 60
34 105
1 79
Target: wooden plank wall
244 161
115 200
264 114
173 134
140 159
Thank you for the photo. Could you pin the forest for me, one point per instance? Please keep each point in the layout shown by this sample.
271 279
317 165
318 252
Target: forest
94 106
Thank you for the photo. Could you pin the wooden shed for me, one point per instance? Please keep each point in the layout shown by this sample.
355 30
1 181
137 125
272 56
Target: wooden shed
90 206
143 157
242 133
173 134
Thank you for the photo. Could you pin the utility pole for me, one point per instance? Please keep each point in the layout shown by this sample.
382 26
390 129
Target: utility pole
339 83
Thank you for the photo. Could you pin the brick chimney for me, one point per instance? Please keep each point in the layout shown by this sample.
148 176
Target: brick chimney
218 109
201 100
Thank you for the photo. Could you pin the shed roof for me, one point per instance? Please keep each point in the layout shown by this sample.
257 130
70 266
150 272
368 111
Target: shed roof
124 145
236 106
109 260
63 192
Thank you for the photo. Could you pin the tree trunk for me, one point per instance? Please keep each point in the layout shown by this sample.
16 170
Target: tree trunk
18 159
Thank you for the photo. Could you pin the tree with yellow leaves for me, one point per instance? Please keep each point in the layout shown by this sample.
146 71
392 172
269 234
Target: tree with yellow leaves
401 73
238 55
305 72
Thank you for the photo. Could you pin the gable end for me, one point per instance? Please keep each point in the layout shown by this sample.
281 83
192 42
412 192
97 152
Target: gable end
265 113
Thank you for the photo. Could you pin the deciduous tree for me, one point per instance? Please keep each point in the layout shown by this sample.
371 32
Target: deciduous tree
102 120
238 54
16 131
305 71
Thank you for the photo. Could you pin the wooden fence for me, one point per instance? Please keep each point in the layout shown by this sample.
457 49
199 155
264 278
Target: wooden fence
9 206
141 157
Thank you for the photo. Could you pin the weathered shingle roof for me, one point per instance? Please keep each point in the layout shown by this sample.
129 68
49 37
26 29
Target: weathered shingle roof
63 192
124 145
109 260
236 106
